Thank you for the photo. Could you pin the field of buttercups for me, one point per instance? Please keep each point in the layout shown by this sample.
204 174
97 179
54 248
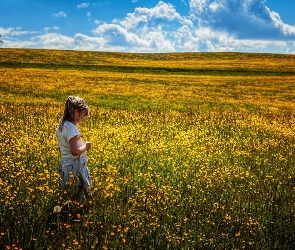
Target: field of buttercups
190 150
161 180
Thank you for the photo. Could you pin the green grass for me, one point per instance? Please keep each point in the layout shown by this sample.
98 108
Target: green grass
157 70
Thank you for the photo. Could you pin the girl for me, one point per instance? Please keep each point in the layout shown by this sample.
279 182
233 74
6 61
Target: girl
72 149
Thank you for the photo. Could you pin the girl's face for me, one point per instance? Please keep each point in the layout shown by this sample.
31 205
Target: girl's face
78 116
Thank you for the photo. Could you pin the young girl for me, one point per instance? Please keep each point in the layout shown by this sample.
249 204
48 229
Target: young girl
72 148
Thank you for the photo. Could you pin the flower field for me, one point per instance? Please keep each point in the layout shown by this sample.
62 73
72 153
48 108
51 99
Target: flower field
180 159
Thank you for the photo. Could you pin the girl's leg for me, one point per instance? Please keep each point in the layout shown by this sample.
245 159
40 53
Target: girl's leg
80 194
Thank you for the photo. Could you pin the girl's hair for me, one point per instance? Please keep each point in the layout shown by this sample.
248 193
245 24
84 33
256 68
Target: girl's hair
72 103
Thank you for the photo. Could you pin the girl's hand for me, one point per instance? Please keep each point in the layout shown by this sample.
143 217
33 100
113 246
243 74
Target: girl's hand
87 144
76 148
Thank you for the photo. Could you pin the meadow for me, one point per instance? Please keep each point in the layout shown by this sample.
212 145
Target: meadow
190 150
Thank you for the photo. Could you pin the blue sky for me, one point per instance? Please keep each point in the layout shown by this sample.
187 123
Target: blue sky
150 26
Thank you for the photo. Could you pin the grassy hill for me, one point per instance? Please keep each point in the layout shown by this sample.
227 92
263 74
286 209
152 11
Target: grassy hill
178 81
162 63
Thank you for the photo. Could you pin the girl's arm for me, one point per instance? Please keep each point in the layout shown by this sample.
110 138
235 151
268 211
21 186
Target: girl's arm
74 146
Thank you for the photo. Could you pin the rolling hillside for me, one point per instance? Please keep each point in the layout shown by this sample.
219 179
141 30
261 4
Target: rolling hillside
177 81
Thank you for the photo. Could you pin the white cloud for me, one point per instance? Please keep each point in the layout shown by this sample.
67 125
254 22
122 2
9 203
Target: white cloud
286 29
5 31
82 5
214 25
246 19
211 25
60 14
97 22
145 29
184 2
15 31
215 6
17 44
161 13
147 39
115 33
83 42
186 40
46 29
54 40
198 6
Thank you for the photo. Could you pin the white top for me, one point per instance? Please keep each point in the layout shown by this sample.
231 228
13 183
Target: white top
69 130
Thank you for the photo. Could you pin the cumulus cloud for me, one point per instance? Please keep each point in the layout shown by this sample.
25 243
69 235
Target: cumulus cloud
5 31
83 42
246 19
60 14
186 40
210 25
8 43
58 41
17 31
162 13
54 40
118 36
145 29
213 25
209 28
